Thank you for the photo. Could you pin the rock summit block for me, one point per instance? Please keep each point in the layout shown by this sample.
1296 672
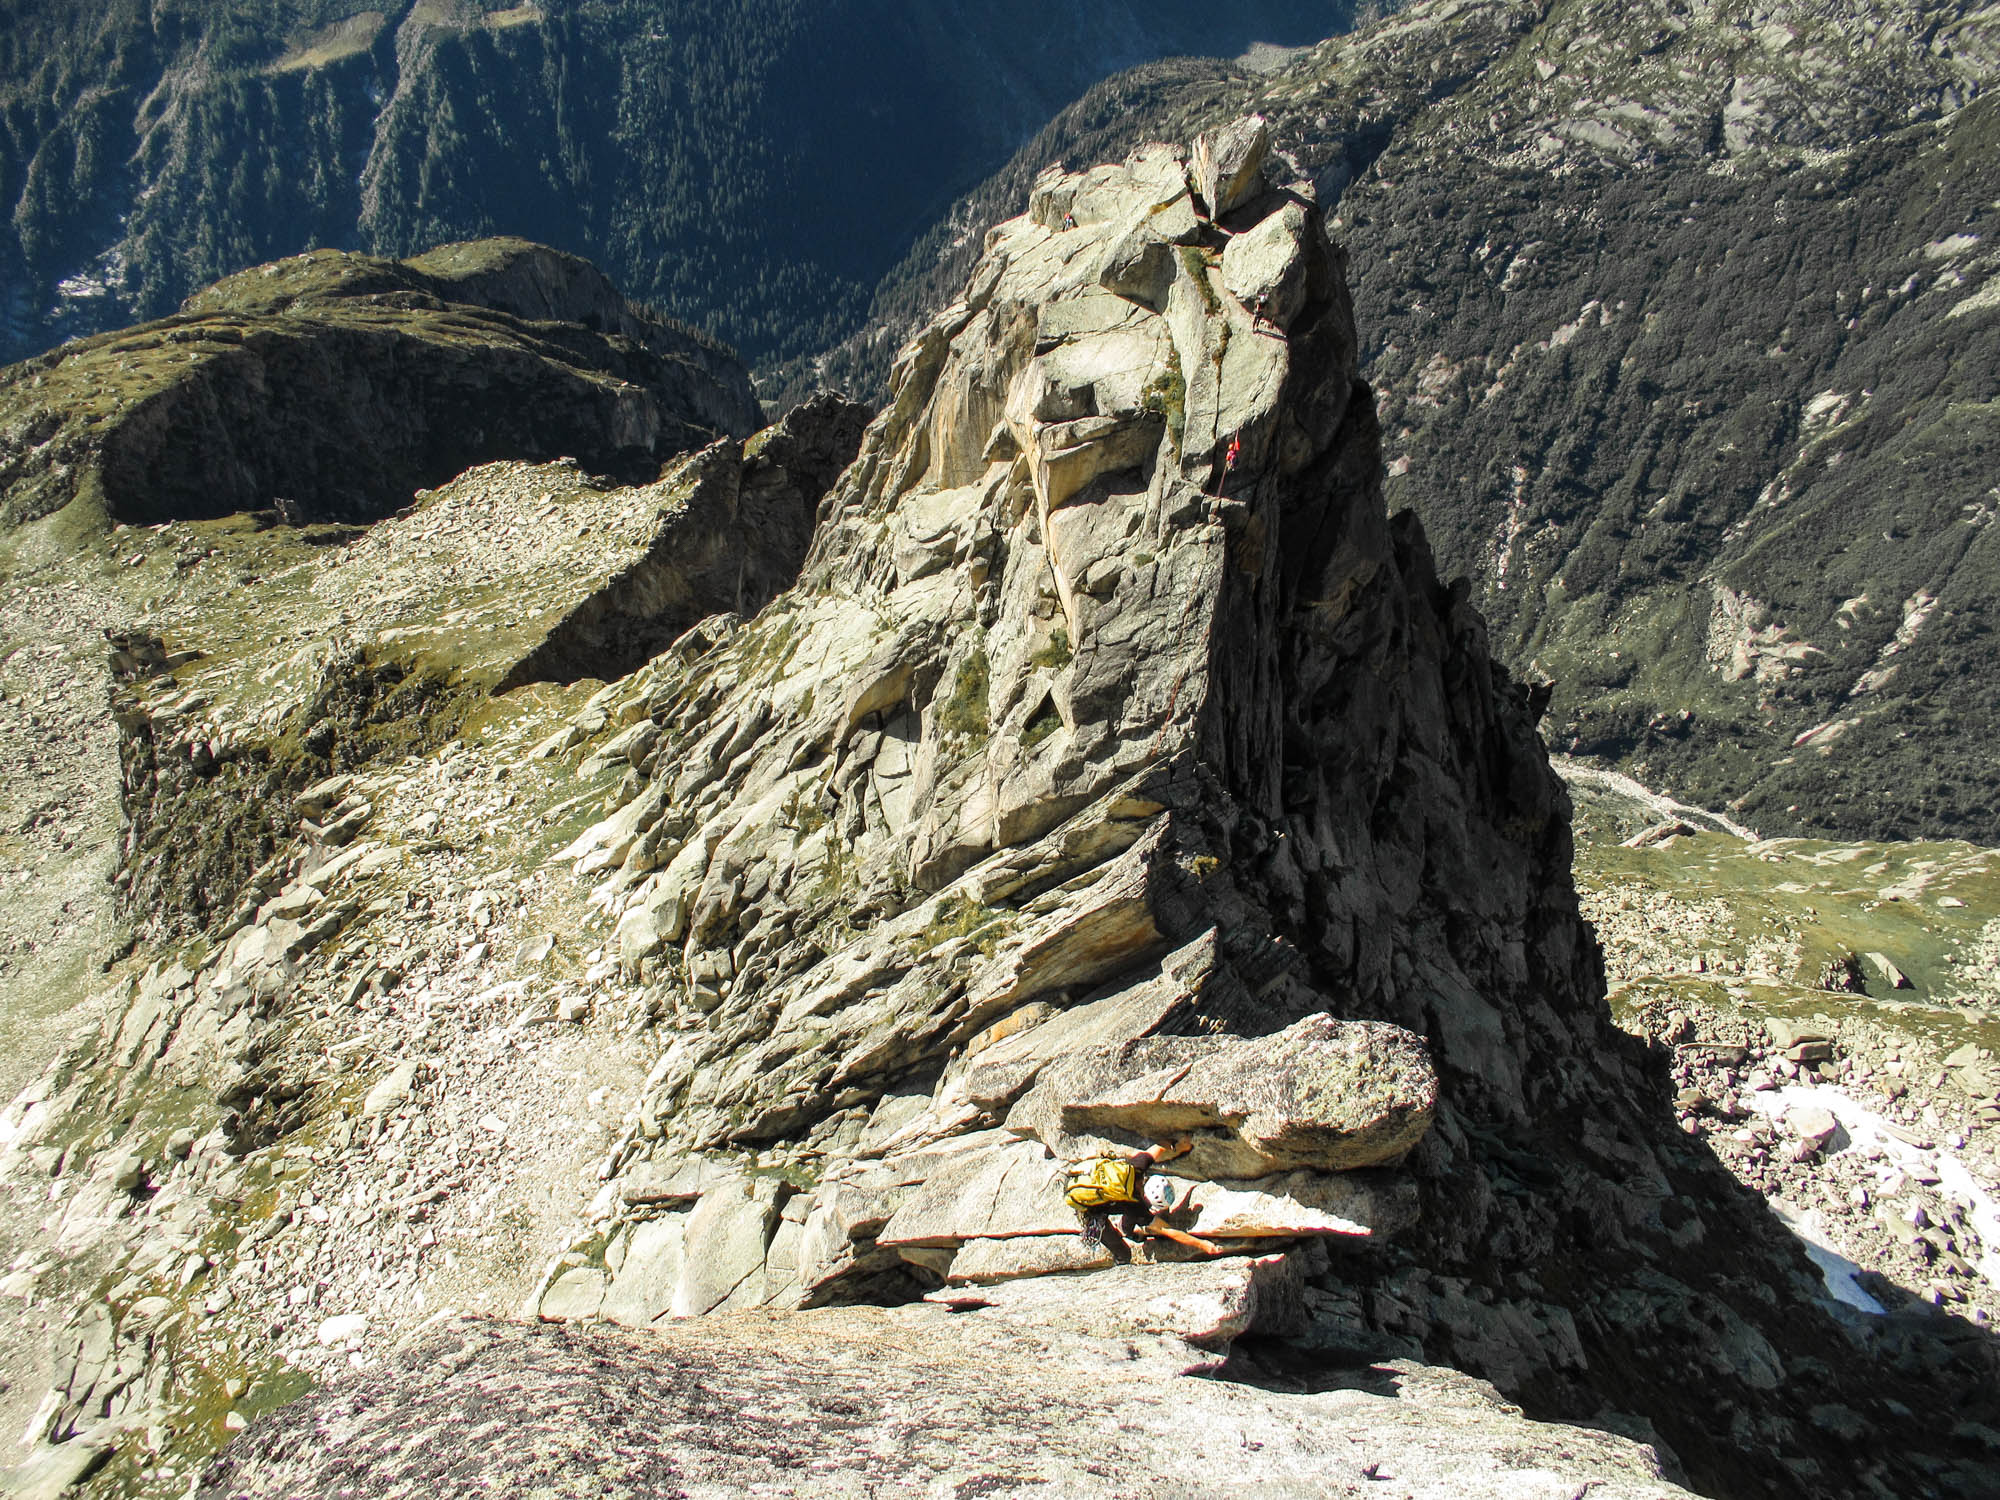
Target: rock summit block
1229 164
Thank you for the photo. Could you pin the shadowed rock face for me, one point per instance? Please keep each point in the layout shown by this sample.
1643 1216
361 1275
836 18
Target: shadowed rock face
330 386
744 529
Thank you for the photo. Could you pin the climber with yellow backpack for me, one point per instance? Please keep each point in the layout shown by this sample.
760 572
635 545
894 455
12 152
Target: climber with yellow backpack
1121 1188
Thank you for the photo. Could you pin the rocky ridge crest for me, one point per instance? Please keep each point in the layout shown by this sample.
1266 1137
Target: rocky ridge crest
1115 767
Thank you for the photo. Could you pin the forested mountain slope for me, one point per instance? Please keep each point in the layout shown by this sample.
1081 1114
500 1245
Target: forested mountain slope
753 166
1686 329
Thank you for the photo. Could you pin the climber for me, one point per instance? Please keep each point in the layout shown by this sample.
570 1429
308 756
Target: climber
1123 1188
1229 457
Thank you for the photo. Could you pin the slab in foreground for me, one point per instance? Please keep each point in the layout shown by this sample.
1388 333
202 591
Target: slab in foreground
854 1401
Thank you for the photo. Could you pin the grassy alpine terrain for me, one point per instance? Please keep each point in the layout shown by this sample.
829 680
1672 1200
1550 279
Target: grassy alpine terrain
1860 978
756 167
1686 332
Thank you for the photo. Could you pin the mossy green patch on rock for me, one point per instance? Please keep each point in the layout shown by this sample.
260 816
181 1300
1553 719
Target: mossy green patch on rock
202 824
1054 653
965 713
958 917
1166 394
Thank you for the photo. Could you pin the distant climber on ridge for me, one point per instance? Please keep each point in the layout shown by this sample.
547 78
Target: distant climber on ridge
1122 1188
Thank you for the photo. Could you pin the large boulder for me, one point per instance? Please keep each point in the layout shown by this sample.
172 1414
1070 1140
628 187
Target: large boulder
982 1262
1228 166
727 1235
1008 1190
1346 1205
648 1273
730 1248
1263 269
1323 1094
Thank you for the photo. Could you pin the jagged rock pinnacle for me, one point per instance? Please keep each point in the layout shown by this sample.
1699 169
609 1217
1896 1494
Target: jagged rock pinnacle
1115 769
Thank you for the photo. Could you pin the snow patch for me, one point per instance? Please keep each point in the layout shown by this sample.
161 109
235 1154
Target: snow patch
1865 1128
1835 1269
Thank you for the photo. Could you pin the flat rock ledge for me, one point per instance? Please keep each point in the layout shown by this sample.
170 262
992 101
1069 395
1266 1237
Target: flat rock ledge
1207 1305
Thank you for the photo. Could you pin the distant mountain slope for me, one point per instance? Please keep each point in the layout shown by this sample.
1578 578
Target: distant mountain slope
1686 328
755 165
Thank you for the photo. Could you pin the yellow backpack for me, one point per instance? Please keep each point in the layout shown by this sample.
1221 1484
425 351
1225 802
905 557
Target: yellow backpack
1101 1183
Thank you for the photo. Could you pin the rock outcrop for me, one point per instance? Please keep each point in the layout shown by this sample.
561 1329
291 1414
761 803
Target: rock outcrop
331 385
1068 760
1584 237
1144 706
945 817
1115 766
